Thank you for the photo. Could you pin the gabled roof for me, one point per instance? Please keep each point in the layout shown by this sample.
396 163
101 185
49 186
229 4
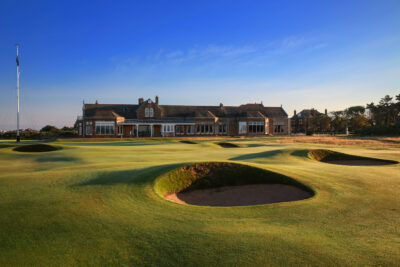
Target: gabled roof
307 113
186 112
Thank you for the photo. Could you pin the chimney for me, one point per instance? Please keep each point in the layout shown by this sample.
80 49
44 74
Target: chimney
141 100
221 105
156 99
326 112
294 113
97 102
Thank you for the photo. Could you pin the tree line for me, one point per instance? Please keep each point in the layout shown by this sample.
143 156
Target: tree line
382 118
47 132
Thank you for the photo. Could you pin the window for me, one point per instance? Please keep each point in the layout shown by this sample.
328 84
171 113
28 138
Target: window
80 128
256 127
149 112
205 128
242 127
168 128
105 127
120 130
190 129
88 128
222 128
180 129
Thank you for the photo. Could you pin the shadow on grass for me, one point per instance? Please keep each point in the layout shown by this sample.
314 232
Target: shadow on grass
265 154
256 145
139 176
57 159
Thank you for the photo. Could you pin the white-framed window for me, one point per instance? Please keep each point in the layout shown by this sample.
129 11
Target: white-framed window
222 128
180 129
190 129
205 128
120 130
88 127
167 128
105 127
256 127
149 112
242 127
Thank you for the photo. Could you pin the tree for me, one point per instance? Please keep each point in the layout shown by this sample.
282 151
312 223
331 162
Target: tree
338 121
49 128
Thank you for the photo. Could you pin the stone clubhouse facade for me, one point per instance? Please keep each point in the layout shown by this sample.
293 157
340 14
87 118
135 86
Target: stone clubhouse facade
150 119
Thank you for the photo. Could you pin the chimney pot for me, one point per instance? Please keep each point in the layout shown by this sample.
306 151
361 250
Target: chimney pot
141 100
326 112
156 99
97 102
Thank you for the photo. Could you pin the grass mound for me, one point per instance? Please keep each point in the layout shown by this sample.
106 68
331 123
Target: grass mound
330 156
227 145
207 175
188 142
36 148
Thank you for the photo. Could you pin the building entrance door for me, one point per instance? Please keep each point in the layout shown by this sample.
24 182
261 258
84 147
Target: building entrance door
157 130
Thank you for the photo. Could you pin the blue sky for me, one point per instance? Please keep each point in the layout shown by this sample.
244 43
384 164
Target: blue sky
299 54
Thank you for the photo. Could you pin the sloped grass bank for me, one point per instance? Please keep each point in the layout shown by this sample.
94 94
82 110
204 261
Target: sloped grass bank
329 156
223 176
36 148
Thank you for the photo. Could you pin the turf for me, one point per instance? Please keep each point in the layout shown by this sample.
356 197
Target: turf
94 203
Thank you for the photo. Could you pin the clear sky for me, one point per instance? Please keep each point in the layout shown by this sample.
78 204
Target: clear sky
301 54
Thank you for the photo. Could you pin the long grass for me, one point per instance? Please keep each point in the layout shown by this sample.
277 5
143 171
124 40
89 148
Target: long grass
94 203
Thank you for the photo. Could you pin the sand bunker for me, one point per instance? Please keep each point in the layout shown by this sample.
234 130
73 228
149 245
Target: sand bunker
188 142
228 184
227 145
243 195
334 157
36 148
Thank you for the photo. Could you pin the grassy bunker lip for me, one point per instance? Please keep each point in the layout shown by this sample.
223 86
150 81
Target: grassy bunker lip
36 148
333 157
228 184
227 145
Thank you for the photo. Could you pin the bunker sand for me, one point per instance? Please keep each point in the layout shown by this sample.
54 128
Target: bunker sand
244 195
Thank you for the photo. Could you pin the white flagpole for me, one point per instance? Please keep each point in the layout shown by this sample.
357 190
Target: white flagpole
18 137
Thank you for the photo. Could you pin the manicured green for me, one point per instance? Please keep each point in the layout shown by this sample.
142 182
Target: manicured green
94 203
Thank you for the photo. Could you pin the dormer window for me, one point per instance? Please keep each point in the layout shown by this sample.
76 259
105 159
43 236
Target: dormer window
149 112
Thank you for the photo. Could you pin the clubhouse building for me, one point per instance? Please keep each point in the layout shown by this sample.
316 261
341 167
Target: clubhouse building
150 119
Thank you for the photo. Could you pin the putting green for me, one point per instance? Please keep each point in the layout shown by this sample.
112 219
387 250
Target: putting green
95 203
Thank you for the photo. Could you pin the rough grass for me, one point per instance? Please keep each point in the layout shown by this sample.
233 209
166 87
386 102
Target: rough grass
218 174
325 155
94 203
36 148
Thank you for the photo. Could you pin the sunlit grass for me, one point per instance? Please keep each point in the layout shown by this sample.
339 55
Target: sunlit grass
93 203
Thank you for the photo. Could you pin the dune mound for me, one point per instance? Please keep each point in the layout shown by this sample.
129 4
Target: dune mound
227 145
228 184
333 157
36 148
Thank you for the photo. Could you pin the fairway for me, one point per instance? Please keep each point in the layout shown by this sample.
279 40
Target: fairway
94 203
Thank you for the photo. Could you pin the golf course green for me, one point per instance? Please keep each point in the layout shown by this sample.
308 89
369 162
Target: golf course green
100 202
